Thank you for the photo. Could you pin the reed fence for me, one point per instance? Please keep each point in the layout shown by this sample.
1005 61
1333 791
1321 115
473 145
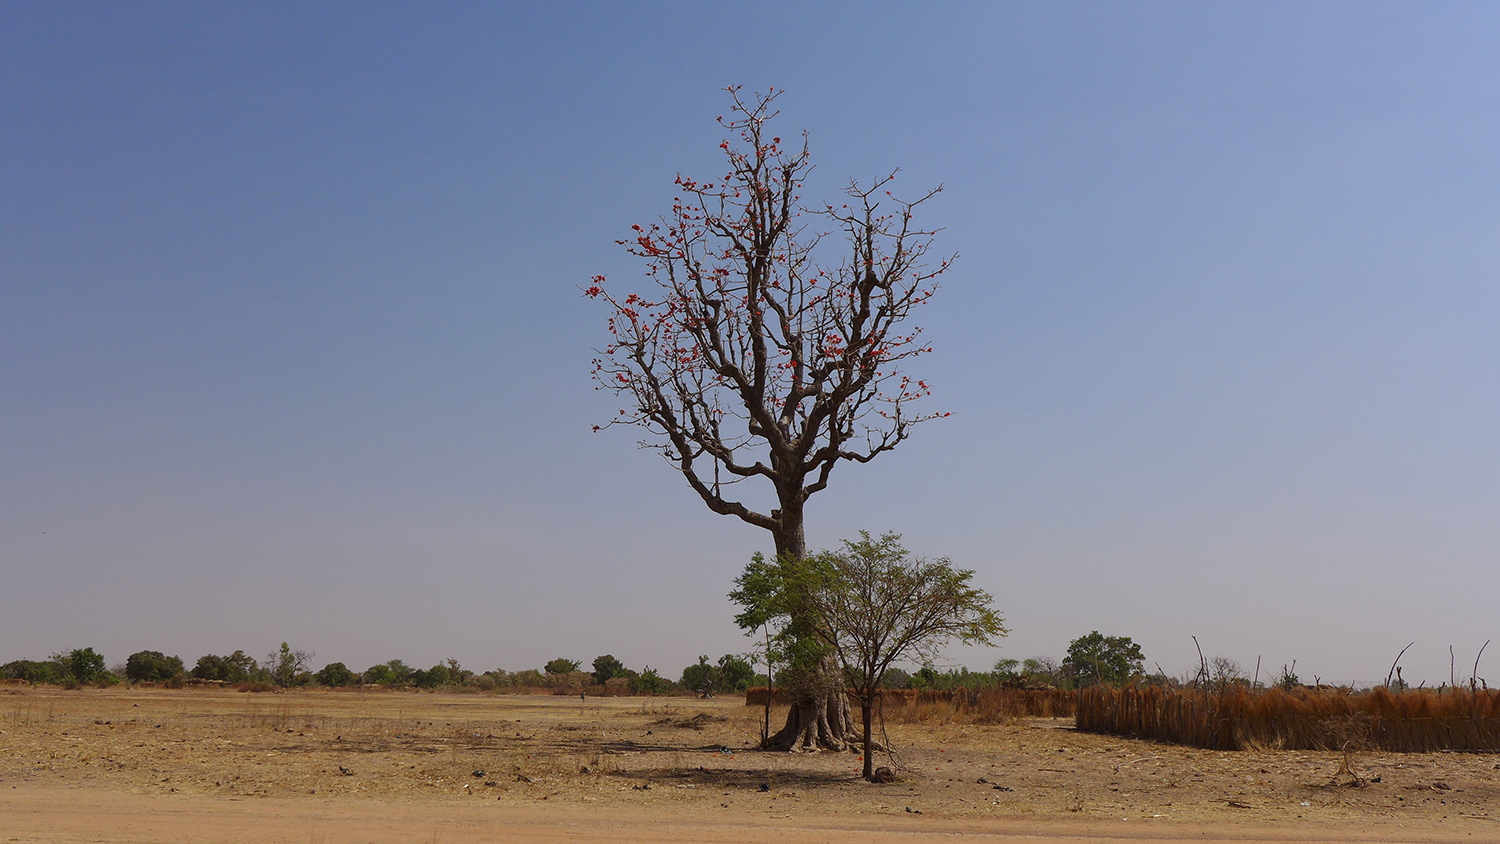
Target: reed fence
1303 719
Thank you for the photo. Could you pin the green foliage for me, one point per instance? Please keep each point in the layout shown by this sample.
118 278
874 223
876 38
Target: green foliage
457 674
1039 671
702 678
959 678
735 674
235 668
379 675
648 682
288 667
335 675
51 672
896 678
925 677
401 673
870 603
1096 659
393 673
437 675
86 666
528 678
152 666
773 596
607 668
1289 679
561 666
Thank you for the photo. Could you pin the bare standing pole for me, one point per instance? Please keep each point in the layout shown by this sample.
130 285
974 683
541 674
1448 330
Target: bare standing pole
1393 666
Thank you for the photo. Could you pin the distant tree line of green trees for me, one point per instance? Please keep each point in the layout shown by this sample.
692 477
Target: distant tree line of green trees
1090 660
289 667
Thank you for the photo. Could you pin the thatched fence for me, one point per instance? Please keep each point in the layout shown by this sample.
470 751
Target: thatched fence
1303 719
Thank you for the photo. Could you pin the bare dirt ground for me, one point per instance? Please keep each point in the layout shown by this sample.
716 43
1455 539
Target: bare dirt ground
318 766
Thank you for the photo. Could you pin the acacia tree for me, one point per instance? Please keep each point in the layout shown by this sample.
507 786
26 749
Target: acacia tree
753 360
876 604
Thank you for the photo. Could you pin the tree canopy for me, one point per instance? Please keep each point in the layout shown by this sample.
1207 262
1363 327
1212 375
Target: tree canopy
1095 659
868 604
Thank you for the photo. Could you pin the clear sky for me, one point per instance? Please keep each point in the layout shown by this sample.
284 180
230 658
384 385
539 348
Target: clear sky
292 343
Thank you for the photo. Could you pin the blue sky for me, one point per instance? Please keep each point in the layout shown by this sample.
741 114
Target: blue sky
292 345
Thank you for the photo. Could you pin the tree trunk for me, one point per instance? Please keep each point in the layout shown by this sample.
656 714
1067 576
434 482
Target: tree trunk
864 711
820 718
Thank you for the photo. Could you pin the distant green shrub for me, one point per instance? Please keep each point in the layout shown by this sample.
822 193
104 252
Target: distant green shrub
335 675
152 667
235 668
561 666
648 682
86 666
735 673
32 671
607 668
437 675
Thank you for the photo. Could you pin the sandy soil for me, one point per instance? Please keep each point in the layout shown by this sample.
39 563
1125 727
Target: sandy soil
189 765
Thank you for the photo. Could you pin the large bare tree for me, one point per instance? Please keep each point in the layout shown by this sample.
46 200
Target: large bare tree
750 359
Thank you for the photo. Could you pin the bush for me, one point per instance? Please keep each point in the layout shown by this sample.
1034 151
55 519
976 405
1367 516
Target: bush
702 678
735 673
289 667
528 678
648 682
152 667
437 675
607 668
561 666
235 668
335 675
86 666
35 672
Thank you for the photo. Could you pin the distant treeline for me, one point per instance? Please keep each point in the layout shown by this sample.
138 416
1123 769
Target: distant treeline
290 668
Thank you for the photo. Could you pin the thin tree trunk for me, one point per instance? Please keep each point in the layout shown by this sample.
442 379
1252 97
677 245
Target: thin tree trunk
864 711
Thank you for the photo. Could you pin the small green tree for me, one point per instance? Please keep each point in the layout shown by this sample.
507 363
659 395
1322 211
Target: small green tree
152 666
561 666
735 673
84 665
287 666
335 675
379 675
607 668
33 671
1096 659
648 682
437 675
702 678
872 603
235 668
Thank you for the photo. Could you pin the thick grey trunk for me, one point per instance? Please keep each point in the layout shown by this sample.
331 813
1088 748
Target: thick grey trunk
820 719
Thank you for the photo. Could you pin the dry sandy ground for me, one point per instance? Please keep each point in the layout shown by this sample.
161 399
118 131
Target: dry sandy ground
190 765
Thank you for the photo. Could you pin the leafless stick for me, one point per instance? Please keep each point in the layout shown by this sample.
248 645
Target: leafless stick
1393 666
